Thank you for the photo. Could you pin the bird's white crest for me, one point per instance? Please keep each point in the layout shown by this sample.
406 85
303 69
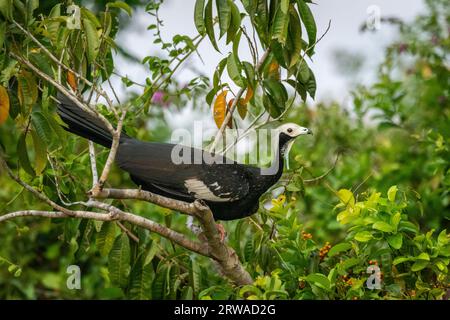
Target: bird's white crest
293 130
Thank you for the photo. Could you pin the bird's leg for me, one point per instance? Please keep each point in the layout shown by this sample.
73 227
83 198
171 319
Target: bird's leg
221 231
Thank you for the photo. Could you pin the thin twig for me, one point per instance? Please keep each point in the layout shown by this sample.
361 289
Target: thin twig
69 94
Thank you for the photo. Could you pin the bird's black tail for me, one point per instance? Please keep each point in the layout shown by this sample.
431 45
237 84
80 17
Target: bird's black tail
82 123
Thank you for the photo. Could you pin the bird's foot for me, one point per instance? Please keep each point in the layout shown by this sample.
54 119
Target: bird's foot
222 232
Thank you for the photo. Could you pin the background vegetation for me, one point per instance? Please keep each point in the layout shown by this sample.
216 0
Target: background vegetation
384 198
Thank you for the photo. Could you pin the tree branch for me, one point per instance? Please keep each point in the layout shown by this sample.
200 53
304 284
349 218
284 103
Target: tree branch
137 194
150 225
212 246
225 256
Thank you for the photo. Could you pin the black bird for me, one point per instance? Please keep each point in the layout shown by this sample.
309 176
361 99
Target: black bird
230 189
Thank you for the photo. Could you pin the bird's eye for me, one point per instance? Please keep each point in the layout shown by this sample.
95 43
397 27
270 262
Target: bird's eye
289 130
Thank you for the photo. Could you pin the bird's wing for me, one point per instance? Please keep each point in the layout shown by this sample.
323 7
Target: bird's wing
153 164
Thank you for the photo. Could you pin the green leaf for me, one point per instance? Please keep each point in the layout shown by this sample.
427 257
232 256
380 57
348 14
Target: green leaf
408 226
27 90
235 21
399 260
210 25
224 13
53 26
119 261
281 22
346 264
391 193
22 153
309 23
120 5
294 39
6 8
340 247
419 265
40 150
363 236
300 88
395 219
198 16
31 6
443 238
236 42
346 197
141 279
89 15
395 241
319 280
105 238
2 33
383 226
249 73
311 85
160 281
277 91
40 124
423 256
234 70
195 276
93 40
303 72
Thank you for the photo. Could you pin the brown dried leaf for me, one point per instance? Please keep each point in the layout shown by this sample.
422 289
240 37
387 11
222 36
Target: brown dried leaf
4 105
72 80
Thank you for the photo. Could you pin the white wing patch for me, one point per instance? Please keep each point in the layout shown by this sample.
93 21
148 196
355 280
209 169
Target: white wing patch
201 191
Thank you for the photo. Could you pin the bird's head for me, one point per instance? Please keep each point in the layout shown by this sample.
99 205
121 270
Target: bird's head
287 133
292 131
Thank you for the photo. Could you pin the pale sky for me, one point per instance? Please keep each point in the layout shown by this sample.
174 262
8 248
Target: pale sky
346 18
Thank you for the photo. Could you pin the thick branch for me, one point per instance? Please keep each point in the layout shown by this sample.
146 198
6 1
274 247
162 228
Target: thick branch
150 225
137 194
224 255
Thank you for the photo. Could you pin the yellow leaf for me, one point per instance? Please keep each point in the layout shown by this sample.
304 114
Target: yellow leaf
72 80
248 95
4 105
242 105
274 70
242 108
220 108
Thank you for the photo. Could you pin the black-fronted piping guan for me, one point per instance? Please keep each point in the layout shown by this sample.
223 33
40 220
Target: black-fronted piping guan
230 189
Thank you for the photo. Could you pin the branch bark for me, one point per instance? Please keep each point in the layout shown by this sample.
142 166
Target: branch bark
211 245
